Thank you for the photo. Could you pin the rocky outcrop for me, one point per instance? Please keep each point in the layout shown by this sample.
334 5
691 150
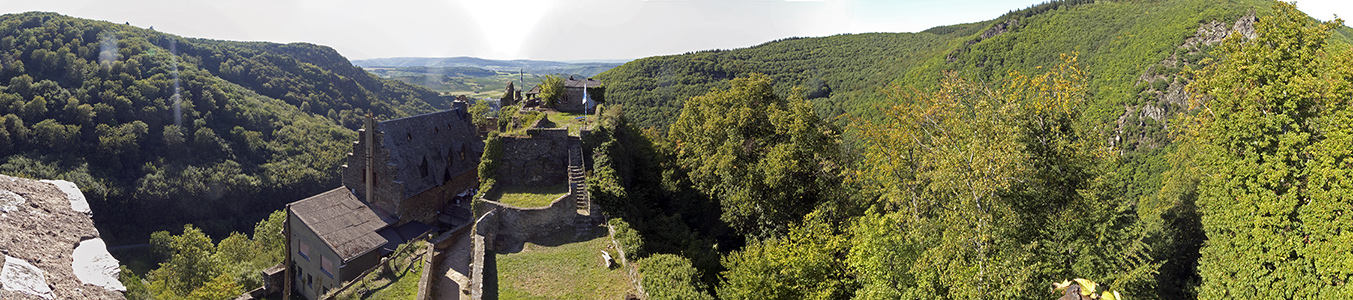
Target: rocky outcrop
1163 90
993 31
50 247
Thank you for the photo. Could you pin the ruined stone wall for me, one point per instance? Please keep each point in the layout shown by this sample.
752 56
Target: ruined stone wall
511 225
424 206
353 176
538 160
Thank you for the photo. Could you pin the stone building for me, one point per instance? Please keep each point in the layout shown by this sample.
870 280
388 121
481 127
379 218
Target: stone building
580 95
401 179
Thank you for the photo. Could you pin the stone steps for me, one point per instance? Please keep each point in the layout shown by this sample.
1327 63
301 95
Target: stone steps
577 177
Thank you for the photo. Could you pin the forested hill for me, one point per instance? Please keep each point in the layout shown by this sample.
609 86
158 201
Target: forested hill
1118 41
161 130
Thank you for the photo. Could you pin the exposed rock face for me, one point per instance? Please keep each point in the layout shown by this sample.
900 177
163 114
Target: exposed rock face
50 246
19 276
1151 118
94 265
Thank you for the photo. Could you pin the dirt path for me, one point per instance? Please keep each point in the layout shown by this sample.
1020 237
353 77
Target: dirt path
452 273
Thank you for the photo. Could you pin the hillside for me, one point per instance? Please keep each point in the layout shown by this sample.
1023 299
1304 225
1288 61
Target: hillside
160 130
1118 41
987 160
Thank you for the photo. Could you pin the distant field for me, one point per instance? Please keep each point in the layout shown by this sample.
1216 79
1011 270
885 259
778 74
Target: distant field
449 81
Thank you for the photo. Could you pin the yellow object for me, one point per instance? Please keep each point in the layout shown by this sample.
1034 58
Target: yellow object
1087 286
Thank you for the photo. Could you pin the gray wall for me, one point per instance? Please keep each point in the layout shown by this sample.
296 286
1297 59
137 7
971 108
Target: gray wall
539 160
302 233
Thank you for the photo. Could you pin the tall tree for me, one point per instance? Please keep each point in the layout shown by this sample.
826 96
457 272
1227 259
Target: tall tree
989 192
1270 136
552 89
767 159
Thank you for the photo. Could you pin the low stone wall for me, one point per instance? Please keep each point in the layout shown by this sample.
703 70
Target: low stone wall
477 268
511 224
425 284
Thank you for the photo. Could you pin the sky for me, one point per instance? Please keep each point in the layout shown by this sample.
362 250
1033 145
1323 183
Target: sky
540 29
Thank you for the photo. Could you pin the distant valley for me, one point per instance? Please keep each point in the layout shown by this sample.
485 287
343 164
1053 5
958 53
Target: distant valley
477 77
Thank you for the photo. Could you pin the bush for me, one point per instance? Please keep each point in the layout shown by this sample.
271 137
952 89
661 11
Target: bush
667 276
630 240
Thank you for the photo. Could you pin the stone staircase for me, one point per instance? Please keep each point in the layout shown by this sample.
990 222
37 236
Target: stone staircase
577 182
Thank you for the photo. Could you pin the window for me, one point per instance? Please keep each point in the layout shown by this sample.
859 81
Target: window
303 249
326 266
423 168
309 281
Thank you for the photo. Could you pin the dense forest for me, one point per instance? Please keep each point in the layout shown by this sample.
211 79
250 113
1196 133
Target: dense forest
160 130
1166 149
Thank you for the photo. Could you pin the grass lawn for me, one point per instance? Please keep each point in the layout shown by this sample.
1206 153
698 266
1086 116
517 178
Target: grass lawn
567 271
401 282
520 196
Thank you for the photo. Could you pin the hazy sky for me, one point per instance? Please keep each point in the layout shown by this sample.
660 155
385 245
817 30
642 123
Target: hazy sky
538 29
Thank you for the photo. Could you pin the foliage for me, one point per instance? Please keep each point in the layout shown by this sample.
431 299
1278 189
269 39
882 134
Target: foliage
184 130
488 164
479 113
767 159
1269 141
973 181
670 277
194 267
804 264
552 89
630 240
636 182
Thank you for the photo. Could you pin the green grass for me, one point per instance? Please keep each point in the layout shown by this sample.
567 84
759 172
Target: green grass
567 271
567 120
399 282
520 196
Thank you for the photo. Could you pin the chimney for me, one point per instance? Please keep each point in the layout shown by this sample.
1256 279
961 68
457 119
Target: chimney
368 137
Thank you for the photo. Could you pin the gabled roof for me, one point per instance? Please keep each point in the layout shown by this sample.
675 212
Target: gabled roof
345 224
578 83
534 90
426 149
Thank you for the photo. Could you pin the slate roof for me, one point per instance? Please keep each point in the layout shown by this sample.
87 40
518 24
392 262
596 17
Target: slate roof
341 221
534 90
578 83
402 234
426 149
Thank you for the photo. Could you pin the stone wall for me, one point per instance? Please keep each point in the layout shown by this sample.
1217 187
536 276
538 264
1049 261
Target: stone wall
353 174
424 206
572 101
538 160
506 225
